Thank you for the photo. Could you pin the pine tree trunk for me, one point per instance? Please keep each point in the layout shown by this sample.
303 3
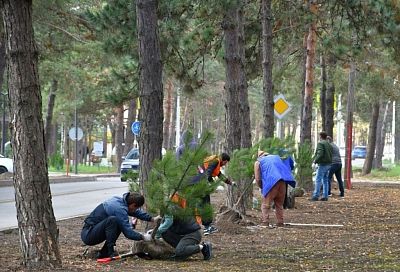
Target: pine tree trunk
129 137
306 123
349 123
150 87
232 73
230 26
52 143
371 139
245 112
322 96
119 135
49 116
269 122
304 71
396 115
381 133
330 110
36 222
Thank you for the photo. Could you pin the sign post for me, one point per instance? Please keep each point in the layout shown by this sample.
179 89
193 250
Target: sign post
76 134
136 128
281 108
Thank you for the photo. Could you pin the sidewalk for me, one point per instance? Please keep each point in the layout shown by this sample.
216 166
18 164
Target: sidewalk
6 179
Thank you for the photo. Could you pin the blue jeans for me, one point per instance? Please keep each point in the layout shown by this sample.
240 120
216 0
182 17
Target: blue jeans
322 177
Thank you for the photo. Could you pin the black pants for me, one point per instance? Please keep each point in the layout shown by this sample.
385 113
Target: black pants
336 169
107 230
206 222
185 245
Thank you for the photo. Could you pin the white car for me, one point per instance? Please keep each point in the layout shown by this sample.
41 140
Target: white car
6 165
130 162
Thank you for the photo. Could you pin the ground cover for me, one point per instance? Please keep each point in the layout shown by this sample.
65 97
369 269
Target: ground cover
368 240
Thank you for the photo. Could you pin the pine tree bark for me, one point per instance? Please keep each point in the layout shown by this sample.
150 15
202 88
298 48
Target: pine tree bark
49 118
150 87
372 131
330 95
246 201
232 73
381 133
322 96
269 125
396 115
36 222
119 135
304 72
349 123
329 102
237 107
305 134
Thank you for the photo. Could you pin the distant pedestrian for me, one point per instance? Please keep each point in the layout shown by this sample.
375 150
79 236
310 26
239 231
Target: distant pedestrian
271 175
336 168
211 168
187 140
322 157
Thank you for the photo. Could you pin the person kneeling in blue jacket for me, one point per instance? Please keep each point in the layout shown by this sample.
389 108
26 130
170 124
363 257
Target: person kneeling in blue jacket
110 218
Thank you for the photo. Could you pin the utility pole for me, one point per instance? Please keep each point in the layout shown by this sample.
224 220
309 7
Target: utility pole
76 140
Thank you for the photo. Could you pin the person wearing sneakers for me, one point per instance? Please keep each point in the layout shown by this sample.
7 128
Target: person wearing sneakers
272 175
183 234
110 218
212 168
336 168
322 157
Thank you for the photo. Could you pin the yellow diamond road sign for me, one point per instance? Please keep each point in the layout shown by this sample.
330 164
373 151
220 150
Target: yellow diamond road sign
281 106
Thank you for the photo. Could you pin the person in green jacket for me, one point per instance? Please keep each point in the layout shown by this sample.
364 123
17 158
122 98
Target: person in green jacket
322 157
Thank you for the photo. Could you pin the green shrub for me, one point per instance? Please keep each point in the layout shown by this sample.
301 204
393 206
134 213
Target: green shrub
56 161
304 161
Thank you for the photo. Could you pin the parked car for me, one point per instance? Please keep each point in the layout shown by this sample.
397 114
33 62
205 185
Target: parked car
359 152
130 162
6 165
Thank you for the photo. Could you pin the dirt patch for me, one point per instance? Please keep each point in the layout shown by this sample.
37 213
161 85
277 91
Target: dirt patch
368 241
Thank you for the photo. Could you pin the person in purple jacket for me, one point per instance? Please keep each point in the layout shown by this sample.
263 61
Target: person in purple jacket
110 218
271 175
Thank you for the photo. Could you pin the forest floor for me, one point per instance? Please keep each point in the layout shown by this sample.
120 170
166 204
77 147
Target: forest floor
367 241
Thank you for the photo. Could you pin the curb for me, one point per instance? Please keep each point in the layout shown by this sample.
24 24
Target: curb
65 179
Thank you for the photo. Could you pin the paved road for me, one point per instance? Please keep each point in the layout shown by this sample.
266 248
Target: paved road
69 199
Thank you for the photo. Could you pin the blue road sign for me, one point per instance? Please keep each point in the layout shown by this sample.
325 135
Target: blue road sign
136 128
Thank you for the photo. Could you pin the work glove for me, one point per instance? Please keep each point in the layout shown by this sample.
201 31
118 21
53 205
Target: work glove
147 237
157 218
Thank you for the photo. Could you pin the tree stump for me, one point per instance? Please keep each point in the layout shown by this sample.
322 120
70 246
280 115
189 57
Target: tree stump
228 215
